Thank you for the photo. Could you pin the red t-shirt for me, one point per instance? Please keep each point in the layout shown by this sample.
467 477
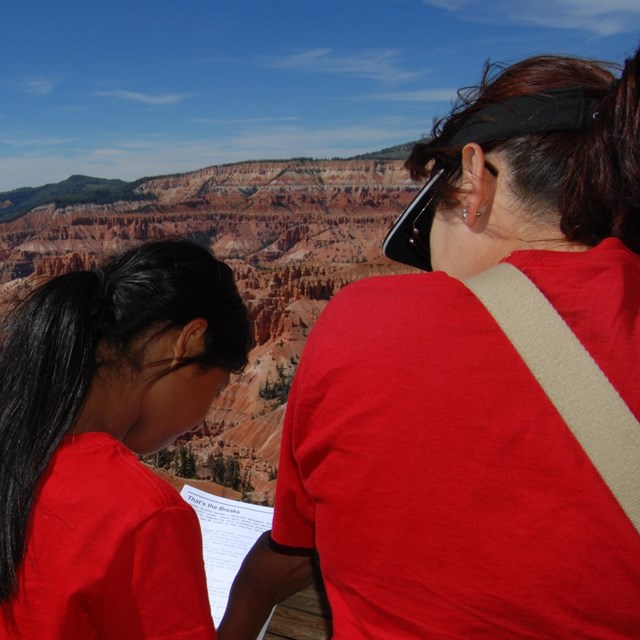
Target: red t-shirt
445 496
113 553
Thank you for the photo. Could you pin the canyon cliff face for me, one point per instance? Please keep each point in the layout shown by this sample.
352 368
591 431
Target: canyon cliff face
295 232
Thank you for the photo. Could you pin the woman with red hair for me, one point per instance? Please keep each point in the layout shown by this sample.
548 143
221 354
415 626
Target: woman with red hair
438 483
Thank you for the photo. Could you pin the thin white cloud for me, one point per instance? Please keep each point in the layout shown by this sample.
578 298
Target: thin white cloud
21 143
599 17
145 98
287 142
108 152
427 95
40 86
376 65
244 121
69 108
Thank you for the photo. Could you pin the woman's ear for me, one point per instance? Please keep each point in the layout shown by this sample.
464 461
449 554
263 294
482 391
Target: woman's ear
190 340
477 187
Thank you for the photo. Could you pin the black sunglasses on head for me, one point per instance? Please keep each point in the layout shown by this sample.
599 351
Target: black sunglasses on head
408 238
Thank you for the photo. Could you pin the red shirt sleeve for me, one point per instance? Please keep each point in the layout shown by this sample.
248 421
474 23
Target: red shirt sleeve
156 585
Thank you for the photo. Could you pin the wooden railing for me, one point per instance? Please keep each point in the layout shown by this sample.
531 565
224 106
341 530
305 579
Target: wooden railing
304 616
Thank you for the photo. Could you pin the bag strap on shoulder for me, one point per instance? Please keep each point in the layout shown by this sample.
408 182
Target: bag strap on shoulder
592 408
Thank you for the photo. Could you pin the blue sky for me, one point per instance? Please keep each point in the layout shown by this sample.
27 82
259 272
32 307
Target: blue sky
133 88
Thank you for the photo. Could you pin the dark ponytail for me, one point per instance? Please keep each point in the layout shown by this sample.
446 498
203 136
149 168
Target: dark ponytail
602 193
49 347
47 361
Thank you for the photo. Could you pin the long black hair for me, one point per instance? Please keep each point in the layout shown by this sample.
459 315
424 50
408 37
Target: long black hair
49 346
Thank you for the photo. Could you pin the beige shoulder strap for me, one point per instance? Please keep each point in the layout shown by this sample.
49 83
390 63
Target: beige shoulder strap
592 408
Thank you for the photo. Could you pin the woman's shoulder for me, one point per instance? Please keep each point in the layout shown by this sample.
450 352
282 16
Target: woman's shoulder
379 307
407 286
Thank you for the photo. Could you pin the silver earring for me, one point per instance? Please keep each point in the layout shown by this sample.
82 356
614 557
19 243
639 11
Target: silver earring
480 213
465 213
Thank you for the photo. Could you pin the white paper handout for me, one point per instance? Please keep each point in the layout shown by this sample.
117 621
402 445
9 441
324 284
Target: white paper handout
229 530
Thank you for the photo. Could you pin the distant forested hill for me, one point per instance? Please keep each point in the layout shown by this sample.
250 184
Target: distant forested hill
73 190
399 152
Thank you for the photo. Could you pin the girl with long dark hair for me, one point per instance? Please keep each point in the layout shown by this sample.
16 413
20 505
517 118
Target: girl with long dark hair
96 366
